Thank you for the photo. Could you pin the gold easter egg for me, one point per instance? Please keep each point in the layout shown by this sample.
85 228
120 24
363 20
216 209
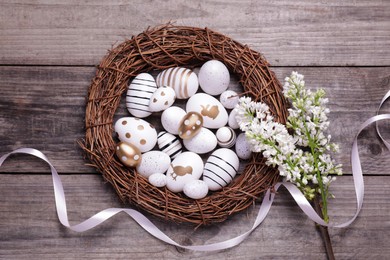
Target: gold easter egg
128 154
190 125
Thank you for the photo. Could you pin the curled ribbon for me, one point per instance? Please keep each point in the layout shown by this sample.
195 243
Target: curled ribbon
265 206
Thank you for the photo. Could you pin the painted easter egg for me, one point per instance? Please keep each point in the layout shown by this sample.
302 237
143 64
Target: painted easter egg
214 114
161 99
243 148
220 169
226 137
158 179
185 167
229 99
232 122
169 144
190 125
139 93
170 119
152 162
128 154
184 81
214 77
196 189
137 132
204 142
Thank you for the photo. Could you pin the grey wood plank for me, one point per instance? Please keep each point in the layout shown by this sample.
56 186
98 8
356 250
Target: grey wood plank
304 33
30 228
43 108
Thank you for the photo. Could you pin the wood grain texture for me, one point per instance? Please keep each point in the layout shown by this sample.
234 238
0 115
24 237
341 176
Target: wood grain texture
299 33
43 108
30 227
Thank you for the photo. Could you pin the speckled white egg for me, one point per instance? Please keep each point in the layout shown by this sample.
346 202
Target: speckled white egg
214 77
232 122
185 167
139 93
137 132
229 99
204 142
220 169
158 179
171 118
196 189
152 162
226 137
161 99
184 81
169 144
214 114
243 148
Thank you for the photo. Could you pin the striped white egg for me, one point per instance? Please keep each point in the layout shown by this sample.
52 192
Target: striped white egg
169 144
226 137
184 81
220 169
139 93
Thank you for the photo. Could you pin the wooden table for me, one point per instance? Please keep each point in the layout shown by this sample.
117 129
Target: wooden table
48 53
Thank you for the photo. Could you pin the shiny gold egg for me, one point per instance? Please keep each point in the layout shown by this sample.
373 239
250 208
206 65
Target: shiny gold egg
128 154
190 125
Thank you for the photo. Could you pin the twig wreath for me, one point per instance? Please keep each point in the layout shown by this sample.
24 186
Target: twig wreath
160 48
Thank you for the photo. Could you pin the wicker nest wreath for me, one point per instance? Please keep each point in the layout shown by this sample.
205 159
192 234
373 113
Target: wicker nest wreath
157 49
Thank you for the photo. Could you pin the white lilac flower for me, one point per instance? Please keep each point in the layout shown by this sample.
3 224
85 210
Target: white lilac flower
308 120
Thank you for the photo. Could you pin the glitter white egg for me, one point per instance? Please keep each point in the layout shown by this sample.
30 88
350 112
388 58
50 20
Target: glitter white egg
184 81
137 132
243 148
196 189
204 142
214 114
152 162
214 77
185 167
139 93
161 99
220 169
229 99
226 137
158 179
170 119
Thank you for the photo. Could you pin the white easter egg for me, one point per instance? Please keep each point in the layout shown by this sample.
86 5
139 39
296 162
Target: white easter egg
139 93
214 114
214 77
161 99
137 132
196 189
232 122
243 148
229 99
185 167
169 144
204 142
171 119
184 81
226 137
158 179
220 169
152 162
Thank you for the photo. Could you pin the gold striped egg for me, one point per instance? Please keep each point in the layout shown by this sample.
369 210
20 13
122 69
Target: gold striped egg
184 81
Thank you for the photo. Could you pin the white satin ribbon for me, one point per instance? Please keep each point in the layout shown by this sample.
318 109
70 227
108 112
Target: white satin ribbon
265 206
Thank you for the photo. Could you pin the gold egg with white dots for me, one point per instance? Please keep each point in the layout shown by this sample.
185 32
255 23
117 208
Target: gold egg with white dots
190 125
128 154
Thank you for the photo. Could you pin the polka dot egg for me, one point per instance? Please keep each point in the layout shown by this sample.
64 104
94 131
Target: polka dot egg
136 131
128 154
